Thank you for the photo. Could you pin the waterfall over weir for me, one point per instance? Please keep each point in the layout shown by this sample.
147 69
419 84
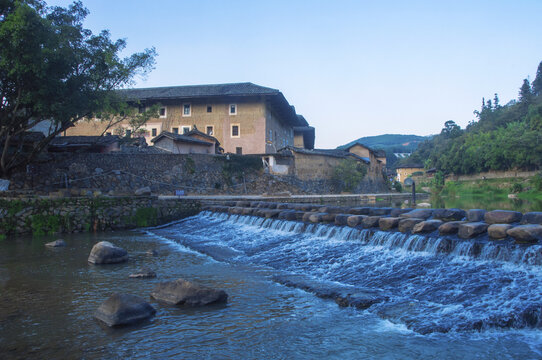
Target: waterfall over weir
427 283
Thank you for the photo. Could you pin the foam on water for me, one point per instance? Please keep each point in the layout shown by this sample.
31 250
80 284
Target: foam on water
432 284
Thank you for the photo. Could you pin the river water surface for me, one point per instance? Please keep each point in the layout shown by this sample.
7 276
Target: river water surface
444 300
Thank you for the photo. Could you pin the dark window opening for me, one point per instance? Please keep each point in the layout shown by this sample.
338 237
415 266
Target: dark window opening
209 130
175 130
153 131
209 109
239 150
235 130
163 111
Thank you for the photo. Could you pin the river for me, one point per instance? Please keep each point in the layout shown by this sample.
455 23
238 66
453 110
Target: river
443 300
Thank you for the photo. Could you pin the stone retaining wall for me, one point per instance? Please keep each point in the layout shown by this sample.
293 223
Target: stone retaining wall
496 225
69 215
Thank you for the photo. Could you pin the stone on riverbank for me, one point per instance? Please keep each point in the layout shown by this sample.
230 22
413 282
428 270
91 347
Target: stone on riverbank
316 217
502 217
106 253
449 214
427 226
406 225
288 215
471 229
183 292
498 231
144 273
526 234
56 243
449 228
534 217
341 219
360 211
143 191
397 212
124 309
370 221
423 214
355 220
388 223
475 215
380 211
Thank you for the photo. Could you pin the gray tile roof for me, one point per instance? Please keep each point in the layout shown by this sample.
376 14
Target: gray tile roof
323 152
193 91
180 138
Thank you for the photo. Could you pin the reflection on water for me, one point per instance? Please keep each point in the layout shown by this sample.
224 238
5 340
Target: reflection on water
484 202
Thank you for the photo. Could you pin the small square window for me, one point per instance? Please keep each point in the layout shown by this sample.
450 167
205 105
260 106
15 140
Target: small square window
209 109
209 130
153 131
175 130
235 131
108 133
187 111
162 112
233 109
185 129
141 109
128 133
239 150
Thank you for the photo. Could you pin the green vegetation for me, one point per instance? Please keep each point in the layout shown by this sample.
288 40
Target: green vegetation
237 165
63 72
144 217
504 137
349 174
189 165
45 224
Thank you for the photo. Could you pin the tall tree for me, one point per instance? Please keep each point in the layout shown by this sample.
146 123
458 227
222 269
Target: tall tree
537 82
525 93
54 71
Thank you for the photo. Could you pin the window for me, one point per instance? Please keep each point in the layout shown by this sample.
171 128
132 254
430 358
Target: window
270 135
163 112
128 132
141 109
209 109
210 130
239 150
175 130
235 131
153 131
187 111
233 109
108 133
185 129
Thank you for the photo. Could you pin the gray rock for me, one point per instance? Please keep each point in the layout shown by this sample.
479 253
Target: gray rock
388 223
380 211
316 217
332 209
471 229
144 273
406 225
328 217
498 231
360 211
370 221
306 216
271 213
124 309
106 253
449 228
56 243
143 191
418 214
427 226
341 219
528 234
449 214
397 212
475 215
183 292
287 215
152 252
534 217
355 220
247 211
98 170
502 217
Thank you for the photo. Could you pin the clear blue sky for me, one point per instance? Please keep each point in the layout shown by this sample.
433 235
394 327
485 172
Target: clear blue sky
352 68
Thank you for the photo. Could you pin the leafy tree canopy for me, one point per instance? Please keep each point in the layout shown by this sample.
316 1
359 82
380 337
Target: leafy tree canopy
54 70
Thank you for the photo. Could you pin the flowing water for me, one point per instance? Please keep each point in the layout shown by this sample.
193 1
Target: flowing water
434 297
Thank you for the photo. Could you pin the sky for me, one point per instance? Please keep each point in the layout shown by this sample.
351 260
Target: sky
352 68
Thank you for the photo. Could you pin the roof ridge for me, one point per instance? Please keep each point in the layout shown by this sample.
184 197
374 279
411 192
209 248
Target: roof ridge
200 85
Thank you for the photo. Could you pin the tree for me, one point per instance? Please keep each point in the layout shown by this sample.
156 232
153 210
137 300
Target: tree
54 71
537 82
525 93
451 129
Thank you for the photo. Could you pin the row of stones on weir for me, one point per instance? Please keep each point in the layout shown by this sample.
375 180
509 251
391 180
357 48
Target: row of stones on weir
497 224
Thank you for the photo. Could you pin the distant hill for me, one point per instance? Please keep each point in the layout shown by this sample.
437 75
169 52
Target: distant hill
390 143
395 142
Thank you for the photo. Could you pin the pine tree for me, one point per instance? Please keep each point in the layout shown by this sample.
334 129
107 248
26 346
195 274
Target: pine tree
537 82
496 101
525 93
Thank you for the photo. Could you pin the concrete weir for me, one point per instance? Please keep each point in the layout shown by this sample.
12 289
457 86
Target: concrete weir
496 225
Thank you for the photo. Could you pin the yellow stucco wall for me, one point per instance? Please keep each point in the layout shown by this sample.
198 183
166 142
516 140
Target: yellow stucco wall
403 173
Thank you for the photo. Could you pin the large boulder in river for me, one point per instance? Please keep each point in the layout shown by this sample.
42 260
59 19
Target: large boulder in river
360 211
502 217
106 253
475 215
56 243
124 309
355 220
498 231
423 214
388 223
534 217
427 226
341 219
406 225
449 214
370 221
399 211
450 228
183 292
529 234
472 229
380 211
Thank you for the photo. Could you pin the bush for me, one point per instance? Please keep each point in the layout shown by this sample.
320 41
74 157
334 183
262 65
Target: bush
349 174
398 187
536 181
516 188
